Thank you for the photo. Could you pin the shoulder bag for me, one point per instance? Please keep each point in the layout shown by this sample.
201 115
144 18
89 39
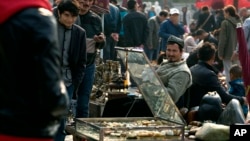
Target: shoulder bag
204 22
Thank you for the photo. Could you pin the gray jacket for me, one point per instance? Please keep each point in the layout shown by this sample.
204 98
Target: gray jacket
228 38
153 37
176 77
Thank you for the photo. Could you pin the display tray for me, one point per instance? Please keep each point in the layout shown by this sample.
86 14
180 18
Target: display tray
166 124
123 129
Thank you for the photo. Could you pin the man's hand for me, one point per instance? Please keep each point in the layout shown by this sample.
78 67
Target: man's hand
115 36
162 52
99 38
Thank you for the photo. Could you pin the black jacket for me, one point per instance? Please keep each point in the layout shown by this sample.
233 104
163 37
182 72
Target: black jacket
77 54
205 80
32 95
135 28
92 24
210 25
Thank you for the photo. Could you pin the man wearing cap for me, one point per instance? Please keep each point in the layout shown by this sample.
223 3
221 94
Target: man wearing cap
174 73
169 27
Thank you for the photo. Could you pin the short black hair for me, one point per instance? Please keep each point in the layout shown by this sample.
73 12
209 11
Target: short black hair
205 8
131 4
114 1
163 13
206 51
71 6
236 70
200 32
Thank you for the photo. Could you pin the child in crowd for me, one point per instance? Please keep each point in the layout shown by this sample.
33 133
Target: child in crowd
236 84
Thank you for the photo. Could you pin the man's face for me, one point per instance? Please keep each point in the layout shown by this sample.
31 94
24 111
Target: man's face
85 5
57 2
243 13
163 18
174 18
201 37
173 53
67 19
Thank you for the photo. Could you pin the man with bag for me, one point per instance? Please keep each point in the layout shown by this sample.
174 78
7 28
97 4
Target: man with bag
206 20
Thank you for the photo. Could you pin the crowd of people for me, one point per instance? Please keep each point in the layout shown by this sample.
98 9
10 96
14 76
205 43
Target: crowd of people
51 48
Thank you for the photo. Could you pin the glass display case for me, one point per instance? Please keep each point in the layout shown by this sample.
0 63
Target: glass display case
167 123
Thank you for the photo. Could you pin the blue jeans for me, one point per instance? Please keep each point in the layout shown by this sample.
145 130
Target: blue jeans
60 136
84 91
152 54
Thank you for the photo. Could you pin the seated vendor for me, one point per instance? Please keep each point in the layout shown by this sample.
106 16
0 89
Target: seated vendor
206 80
174 73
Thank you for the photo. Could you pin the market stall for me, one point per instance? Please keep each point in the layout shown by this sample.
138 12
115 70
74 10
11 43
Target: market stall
166 123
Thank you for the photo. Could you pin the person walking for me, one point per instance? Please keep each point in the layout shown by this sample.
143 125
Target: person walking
228 40
33 97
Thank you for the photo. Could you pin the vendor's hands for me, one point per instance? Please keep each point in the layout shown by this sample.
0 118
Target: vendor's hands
99 38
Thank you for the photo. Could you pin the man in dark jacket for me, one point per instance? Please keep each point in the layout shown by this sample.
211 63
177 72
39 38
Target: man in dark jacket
206 20
72 41
32 95
111 31
122 11
205 78
91 22
135 26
